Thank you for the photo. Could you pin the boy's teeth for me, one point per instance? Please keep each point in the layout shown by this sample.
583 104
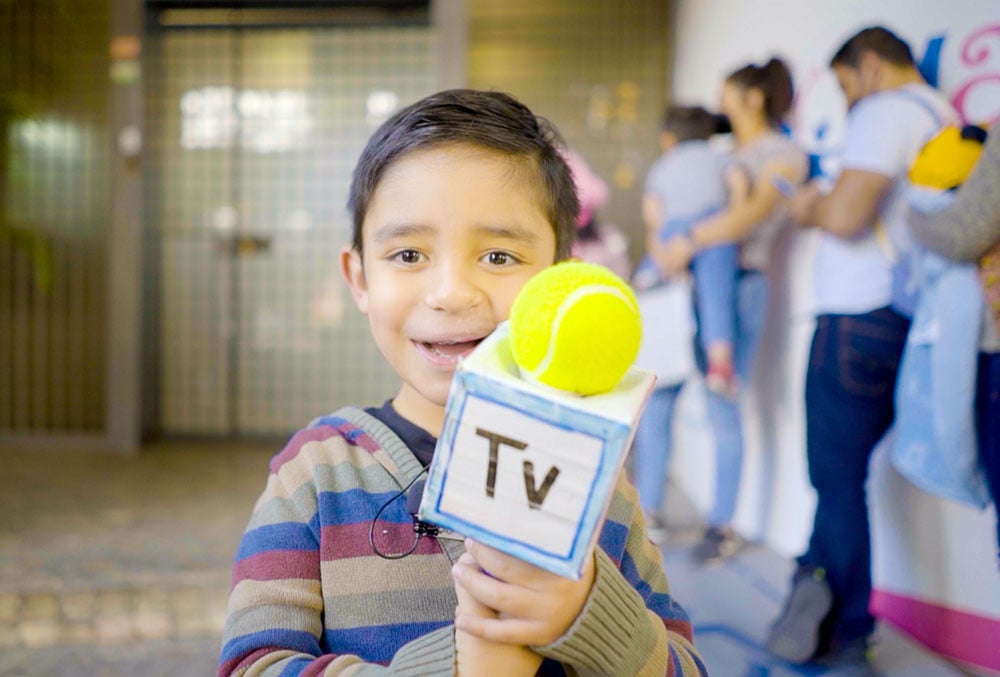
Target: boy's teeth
452 349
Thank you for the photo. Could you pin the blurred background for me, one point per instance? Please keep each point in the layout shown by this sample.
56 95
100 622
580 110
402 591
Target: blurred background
173 180
200 159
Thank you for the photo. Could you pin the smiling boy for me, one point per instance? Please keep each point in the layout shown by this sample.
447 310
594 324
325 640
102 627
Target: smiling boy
457 201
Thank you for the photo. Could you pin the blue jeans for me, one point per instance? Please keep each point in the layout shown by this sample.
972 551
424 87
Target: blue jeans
850 384
988 423
653 444
714 271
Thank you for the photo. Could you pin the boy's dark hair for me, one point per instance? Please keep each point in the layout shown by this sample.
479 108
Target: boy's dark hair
774 81
689 122
884 43
492 120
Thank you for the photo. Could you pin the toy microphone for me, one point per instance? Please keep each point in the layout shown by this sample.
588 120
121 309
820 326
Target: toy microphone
539 420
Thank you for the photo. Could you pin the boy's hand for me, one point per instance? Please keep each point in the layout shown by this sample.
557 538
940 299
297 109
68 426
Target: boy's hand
477 656
533 606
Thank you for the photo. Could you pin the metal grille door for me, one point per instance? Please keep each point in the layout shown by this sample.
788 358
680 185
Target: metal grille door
256 132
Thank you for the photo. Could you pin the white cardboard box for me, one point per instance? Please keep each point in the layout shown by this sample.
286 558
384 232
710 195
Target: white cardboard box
528 469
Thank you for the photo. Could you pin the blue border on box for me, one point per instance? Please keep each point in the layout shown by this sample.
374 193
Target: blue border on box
613 434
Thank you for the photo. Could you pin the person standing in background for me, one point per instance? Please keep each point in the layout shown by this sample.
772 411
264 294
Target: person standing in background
858 341
756 100
968 230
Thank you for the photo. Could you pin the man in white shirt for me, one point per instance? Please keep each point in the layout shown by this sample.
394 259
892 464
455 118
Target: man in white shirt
859 338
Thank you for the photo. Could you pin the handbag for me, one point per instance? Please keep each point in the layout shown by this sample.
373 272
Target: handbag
668 330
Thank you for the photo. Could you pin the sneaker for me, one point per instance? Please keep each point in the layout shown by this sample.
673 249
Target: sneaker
656 529
716 544
849 659
721 379
795 635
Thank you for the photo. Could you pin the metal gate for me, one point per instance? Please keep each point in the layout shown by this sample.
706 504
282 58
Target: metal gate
255 132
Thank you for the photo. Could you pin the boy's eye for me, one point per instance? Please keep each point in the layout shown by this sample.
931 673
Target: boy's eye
407 256
500 258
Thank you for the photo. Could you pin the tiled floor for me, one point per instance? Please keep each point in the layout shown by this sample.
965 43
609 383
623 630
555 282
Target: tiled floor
113 566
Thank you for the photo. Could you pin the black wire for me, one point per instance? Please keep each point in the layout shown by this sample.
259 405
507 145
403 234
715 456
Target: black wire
416 530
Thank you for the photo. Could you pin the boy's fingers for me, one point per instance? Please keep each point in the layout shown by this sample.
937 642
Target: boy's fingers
508 630
494 593
467 604
500 565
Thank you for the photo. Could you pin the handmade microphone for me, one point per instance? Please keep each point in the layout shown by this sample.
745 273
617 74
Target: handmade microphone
539 419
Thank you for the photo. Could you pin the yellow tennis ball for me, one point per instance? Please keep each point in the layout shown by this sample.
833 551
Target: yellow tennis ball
575 326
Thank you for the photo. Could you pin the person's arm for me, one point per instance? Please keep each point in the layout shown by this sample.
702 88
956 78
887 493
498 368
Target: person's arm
848 209
742 215
884 132
628 623
967 228
652 212
275 613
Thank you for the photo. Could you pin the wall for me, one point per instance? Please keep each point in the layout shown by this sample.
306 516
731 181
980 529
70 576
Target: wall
935 564
595 69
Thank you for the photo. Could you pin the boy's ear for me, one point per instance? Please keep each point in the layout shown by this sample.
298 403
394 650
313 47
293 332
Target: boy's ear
353 272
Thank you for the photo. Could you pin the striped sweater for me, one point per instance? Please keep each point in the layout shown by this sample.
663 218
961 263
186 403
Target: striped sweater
310 597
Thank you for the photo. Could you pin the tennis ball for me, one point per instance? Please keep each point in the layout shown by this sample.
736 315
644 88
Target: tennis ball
575 326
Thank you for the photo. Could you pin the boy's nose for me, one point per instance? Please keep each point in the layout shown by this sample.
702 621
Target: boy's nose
453 289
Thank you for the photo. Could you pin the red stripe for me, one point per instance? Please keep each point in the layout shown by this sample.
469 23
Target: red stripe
276 565
682 628
970 638
345 541
358 437
299 440
318 665
234 664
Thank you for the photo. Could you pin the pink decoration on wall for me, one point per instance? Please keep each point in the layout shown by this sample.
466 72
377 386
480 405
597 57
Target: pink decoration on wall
982 52
978 50
958 100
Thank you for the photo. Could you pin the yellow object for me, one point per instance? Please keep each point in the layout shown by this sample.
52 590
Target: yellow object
575 326
946 160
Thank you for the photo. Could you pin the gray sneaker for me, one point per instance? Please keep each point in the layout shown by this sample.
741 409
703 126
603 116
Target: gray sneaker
794 636
850 659
716 544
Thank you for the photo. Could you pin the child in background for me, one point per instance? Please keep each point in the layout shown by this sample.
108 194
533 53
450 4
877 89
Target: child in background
685 186
596 241
457 200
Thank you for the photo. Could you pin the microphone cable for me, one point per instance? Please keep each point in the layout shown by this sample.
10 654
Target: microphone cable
419 528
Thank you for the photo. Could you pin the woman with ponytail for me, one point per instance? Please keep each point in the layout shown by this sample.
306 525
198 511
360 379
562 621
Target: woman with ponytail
756 100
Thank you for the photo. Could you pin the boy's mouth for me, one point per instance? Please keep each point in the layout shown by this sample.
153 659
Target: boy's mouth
447 353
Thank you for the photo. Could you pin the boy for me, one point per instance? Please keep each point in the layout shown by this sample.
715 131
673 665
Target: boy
457 200
685 186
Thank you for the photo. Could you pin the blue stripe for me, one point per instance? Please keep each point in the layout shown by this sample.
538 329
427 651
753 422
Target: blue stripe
281 536
377 643
356 505
296 640
676 660
660 603
612 539
697 660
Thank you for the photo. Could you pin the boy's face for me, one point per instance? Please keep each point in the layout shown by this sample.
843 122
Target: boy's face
450 236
